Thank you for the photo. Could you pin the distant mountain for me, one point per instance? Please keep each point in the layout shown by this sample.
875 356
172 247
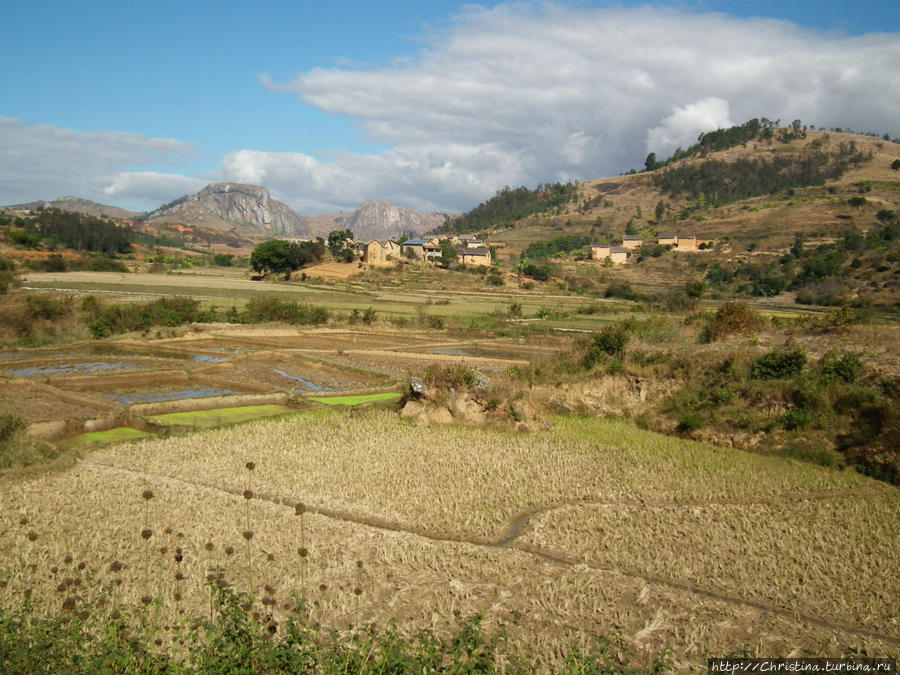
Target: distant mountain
381 220
250 210
232 206
79 205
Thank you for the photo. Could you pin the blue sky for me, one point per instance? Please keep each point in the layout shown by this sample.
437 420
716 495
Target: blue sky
429 105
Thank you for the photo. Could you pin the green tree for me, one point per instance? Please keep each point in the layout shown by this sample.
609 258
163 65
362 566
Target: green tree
340 243
895 165
283 257
448 254
660 210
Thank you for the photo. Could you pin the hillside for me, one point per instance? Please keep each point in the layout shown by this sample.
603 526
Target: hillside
78 205
856 211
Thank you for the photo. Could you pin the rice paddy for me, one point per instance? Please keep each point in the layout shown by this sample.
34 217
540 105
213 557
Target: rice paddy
557 537
356 400
221 416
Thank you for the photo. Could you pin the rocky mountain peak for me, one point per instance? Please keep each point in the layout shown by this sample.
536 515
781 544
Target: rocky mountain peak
225 205
383 220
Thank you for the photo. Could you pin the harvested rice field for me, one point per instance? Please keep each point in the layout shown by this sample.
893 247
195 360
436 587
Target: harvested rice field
591 528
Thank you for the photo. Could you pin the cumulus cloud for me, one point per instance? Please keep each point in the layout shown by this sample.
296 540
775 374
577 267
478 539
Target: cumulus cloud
681 128
529 93
150 187
39 161
518 94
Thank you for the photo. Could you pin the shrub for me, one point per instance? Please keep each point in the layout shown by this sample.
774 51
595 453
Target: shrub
10 425
807 396
610 341
457 376
845 368
47 307
689 422
731 318
779 363
621 289
261 310
796 419
8 276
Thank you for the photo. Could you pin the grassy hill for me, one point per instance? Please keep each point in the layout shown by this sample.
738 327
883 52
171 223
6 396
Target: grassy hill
860 206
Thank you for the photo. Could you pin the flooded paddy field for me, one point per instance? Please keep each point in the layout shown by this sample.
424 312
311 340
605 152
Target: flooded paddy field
96 387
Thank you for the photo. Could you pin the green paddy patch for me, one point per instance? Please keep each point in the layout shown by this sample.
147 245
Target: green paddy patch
108 436
356 400
221 416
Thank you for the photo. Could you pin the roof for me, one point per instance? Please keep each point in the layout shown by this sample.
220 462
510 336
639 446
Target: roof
633 237
599 245
476 251
667 236
618 249
416 242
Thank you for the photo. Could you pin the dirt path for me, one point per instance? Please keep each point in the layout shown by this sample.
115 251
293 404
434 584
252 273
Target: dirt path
516 527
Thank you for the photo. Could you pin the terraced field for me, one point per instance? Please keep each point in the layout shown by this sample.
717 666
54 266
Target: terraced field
557 537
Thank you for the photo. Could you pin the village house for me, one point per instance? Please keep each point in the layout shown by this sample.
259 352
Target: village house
618 255
600 251
686 242
632 241
377 252
667 240
470 241
475 256
423 250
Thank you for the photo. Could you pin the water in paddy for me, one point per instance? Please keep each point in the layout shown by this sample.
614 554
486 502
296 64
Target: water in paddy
81 368
310 386
170 395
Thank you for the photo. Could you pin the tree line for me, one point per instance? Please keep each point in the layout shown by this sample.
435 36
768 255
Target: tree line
511 204
78 231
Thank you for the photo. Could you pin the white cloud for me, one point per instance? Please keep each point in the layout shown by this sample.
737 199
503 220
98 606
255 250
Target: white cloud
529 93
150 187
681 128
43 161
517 94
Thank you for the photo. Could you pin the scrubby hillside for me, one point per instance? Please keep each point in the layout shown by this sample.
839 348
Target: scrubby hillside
808 212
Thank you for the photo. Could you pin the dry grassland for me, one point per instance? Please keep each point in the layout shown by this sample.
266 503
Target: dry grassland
675 544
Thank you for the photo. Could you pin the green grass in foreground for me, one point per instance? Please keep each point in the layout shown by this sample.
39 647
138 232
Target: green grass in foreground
356 400
108 436
220 416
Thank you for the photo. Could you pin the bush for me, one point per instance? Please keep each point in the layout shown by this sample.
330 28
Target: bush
262 310
47 307
621 289
8 276
610 341
689 422
731 318
779 363
845 368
